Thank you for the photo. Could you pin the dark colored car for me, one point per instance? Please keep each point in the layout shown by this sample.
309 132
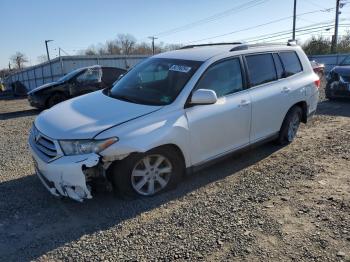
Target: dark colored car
338 80
78 82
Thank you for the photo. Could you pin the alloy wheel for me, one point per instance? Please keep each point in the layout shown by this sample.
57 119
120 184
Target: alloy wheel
151 174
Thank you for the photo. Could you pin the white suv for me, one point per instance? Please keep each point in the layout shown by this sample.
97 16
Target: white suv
173 112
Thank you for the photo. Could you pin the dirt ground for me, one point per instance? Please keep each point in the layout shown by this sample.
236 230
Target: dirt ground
270 204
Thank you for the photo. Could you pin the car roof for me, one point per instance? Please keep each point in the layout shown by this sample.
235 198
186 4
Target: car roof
205 52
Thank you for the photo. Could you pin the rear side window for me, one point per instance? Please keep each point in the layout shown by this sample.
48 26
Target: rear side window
291 63
279 67
224 78
261 69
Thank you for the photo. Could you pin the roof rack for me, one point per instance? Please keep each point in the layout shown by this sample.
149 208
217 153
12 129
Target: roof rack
247 46
213 44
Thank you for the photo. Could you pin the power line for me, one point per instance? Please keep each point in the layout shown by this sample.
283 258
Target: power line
214 17
260 25
325 24
298 34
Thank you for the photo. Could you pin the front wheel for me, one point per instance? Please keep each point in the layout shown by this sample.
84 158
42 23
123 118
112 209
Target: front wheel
290 126
147 174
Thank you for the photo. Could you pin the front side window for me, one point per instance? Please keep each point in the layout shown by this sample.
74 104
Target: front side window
224 78
91 75
291 63
155 81
261 69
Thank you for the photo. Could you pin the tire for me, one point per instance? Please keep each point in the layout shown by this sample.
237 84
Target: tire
290 126
131 178
55 99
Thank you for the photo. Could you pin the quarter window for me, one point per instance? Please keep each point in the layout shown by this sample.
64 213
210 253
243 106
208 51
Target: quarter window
261 69
224 78
291 63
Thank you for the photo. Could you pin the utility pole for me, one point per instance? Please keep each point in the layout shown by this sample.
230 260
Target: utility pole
294 18
335 36
48 57
10 66
152 38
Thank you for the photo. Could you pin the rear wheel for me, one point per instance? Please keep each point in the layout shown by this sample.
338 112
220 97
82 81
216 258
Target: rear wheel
290 126
147 174
55 99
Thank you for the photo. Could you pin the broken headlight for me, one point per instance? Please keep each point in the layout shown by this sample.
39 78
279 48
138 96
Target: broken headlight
81 147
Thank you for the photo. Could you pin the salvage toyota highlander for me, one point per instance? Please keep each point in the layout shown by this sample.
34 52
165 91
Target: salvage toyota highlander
173 113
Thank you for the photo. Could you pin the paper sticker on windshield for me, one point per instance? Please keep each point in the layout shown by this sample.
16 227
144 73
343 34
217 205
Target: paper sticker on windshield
180 68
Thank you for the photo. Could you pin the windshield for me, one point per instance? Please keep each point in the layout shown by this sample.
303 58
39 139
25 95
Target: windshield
70 75
156 81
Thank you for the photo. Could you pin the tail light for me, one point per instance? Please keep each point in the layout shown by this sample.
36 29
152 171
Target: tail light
318 83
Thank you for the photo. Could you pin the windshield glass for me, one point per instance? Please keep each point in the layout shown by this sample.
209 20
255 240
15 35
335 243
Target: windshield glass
156 81
70 75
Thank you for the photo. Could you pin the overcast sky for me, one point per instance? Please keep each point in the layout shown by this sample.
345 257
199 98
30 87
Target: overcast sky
75 25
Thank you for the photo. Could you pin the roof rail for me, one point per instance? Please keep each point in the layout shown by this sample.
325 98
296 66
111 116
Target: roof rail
213 44
247 46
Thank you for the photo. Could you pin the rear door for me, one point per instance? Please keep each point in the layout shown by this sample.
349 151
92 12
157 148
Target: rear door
224 126
266 92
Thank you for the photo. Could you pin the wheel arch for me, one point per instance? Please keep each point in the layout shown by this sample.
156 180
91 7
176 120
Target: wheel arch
303 106
54 93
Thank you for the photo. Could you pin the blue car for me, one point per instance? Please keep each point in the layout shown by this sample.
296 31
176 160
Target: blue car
338 80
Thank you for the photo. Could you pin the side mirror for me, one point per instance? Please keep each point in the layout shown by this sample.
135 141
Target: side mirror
203 97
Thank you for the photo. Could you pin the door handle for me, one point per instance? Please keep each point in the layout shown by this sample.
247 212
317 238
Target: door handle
244 103
285 89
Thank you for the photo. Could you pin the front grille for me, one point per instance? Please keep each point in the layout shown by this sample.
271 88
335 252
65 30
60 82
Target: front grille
43 145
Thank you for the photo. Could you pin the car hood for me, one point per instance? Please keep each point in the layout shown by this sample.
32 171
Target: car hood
342 70
43 87
85 116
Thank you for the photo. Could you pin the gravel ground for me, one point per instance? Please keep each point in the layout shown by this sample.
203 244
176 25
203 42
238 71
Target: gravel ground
269 204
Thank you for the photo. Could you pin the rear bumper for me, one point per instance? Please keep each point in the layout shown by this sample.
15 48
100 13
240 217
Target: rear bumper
64 176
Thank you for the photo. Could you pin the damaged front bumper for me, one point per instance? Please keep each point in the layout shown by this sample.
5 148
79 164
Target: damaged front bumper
339 88
67 175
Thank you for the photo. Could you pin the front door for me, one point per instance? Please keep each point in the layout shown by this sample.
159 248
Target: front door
224 126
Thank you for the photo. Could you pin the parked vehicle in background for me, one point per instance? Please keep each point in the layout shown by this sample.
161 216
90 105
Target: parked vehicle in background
173 112
338 80
77 82
318 68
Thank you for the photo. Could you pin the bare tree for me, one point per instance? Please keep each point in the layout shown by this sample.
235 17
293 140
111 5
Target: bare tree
113 48
142 49
19 59
127 43
91 50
